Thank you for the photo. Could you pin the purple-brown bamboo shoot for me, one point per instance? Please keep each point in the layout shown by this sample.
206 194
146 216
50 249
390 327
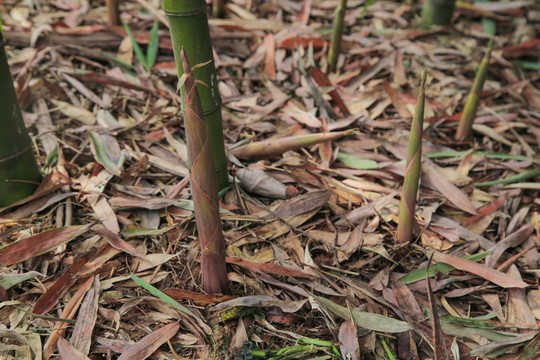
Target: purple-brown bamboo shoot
412 170
204 189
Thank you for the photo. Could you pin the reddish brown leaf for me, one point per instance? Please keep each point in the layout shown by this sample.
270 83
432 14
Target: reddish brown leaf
51 297
270 45
39 244
116 242
322 80
292 42
197 298
529 47
486 210
68 352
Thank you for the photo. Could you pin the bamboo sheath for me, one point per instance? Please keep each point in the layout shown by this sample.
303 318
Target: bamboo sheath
189 29
18 169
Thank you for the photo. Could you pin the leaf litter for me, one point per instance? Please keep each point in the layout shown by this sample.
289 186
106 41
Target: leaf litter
102 261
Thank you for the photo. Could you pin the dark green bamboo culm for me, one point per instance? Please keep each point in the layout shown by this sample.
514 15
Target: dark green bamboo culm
188 24
438 12
412 170
335 47
19 173
469 112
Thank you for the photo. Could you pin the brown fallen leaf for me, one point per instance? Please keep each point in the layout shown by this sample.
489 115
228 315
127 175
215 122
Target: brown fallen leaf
457 197
518 309
397 101
197 298
270 45
51 297
269 268
40 244
68 352
69 312
116 242
302 204
81 338
348 340
150 343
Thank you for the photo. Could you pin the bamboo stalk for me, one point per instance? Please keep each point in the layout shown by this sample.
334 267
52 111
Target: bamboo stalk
438 12
19 173
204 189
412 171
469 111
189 29
335 48
113 12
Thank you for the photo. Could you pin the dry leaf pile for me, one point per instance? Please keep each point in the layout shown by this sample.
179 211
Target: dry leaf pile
102 261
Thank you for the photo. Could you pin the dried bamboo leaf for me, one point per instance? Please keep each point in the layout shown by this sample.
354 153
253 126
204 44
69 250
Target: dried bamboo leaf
273 147
81 338
374 322
39 244
150 343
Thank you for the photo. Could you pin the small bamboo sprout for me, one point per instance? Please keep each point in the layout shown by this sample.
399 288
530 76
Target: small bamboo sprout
412 171
204 188
335 48
469 112
438 12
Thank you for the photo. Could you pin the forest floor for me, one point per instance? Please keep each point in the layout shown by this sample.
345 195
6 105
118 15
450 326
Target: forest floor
108 244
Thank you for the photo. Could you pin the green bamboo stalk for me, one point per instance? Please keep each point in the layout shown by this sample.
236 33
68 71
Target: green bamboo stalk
438 12
203 188
272 147
469 112
412 171
189 29
19 173
335 47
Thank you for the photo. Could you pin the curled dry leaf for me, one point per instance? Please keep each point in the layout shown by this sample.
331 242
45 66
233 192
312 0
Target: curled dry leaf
258 182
